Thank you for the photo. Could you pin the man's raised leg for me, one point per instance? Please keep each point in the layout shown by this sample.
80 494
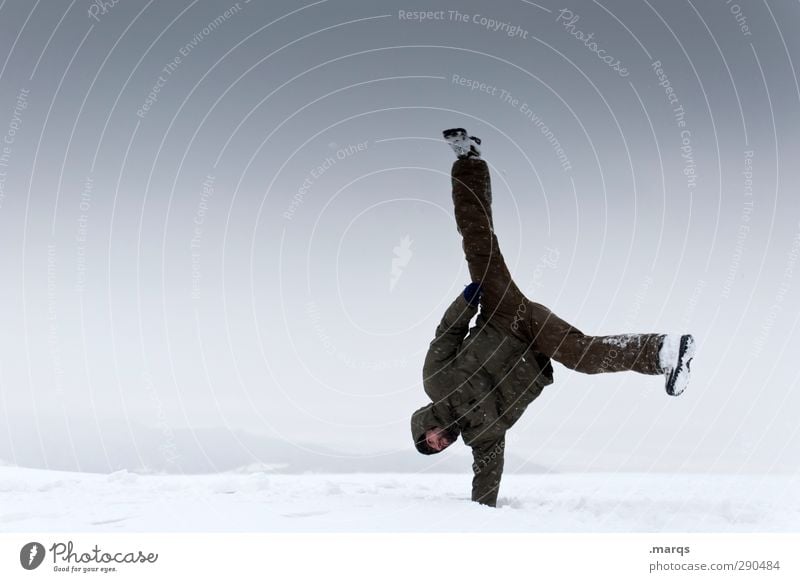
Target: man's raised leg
552 336
472 202
557 339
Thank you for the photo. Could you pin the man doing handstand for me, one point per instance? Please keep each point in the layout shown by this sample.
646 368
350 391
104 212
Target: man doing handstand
481 380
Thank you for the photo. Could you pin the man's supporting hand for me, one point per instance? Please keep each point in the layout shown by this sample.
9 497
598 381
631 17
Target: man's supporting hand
488 457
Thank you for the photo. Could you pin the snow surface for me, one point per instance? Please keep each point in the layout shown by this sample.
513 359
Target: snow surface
40 500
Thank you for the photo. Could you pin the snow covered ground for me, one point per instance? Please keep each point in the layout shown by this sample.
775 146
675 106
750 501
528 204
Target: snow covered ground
39 500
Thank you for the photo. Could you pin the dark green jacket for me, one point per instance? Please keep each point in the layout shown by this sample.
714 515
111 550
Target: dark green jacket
479 386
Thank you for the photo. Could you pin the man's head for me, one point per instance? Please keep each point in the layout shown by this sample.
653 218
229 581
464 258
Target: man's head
432 429
438 439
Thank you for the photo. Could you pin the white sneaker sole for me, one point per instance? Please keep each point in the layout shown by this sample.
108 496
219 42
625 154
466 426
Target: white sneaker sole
463 145
678 377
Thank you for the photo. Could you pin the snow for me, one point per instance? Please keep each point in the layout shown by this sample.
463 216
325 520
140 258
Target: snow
620 341
40 500
668 355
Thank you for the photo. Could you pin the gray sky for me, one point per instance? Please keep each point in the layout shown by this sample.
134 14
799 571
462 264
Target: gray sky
237 216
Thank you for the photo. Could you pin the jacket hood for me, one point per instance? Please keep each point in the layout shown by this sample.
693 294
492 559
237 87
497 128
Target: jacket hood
428 417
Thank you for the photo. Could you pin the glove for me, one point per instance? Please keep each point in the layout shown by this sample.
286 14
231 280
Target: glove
472 293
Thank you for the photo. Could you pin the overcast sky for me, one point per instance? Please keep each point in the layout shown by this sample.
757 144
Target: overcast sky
237 216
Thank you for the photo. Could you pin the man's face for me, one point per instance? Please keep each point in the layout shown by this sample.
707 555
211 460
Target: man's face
438 439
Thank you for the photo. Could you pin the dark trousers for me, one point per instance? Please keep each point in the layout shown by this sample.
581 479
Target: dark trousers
506 306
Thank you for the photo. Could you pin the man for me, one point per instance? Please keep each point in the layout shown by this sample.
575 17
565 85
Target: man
481 380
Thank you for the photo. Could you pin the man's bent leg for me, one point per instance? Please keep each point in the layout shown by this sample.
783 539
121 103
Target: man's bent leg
472 201
566 344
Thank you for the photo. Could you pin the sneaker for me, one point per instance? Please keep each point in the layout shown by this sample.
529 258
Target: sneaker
675 358
463 145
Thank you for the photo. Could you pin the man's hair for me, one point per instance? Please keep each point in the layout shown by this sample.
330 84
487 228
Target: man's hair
425 449
422 445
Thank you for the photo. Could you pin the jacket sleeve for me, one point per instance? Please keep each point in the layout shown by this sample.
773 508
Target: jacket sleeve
449 334
487 470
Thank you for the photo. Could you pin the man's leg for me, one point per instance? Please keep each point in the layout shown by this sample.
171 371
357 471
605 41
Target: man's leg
501 299
557 339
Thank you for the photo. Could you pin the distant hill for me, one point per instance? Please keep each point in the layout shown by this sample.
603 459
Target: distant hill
212 450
